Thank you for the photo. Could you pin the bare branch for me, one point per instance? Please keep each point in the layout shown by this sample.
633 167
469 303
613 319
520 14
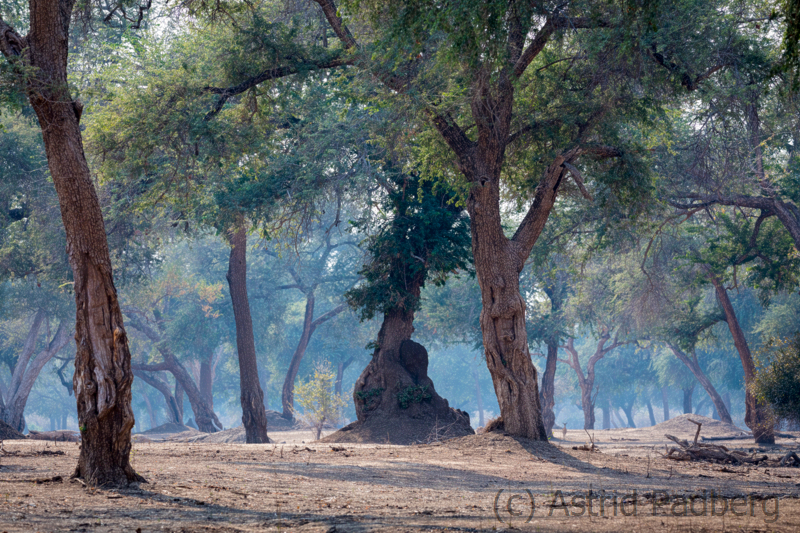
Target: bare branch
576 175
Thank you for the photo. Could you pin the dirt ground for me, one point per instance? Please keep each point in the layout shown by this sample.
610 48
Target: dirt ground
484 482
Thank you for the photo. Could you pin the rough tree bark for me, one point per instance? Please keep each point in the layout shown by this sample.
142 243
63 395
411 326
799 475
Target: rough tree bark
204 415
103 376
693 365
18 397
254 415
586 381
757 415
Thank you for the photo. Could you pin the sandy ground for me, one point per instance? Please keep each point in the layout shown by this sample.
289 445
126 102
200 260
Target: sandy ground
476 483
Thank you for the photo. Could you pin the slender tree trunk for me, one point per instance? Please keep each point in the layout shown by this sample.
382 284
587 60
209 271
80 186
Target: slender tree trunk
287 396
340 368
170 402
150 411
254 416
607 415
692 364
757 415
687 400
204 415
25 355
16 404
617 419
547 394
478 397
650 412
665 402
207 381
628 410
178 401
726 397
64 421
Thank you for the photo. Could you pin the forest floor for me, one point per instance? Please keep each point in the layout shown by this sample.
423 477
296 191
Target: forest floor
483 482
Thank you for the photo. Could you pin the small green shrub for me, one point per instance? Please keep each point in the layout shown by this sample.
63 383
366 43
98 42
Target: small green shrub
367 397
413 394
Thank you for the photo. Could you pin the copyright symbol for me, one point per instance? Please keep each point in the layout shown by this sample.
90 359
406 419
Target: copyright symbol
515 504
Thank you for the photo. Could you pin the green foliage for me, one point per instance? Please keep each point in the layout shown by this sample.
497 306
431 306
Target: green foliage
316 397
368 397
413 394
777 379
422 237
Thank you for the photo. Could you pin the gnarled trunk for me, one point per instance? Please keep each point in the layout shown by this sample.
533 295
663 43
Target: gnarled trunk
757 415
395 399
693 365
498 263
254 416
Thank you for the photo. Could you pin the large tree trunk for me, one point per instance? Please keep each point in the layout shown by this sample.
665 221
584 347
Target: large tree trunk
395 399
179 401
254 416
103 376
693 365
15 407
757 415
547 394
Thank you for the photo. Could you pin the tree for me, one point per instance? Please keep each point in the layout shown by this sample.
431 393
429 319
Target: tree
103 375
777 380
321 405
422 239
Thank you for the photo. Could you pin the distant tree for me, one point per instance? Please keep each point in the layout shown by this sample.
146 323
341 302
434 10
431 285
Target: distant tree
777 379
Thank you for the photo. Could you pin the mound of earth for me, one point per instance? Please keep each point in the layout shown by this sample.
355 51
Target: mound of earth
236 435
169 427
398 431
680 426
9 433
61 435
276 422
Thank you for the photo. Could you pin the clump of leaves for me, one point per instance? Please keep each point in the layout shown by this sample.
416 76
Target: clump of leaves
368 396
777 380
413 394
319 402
